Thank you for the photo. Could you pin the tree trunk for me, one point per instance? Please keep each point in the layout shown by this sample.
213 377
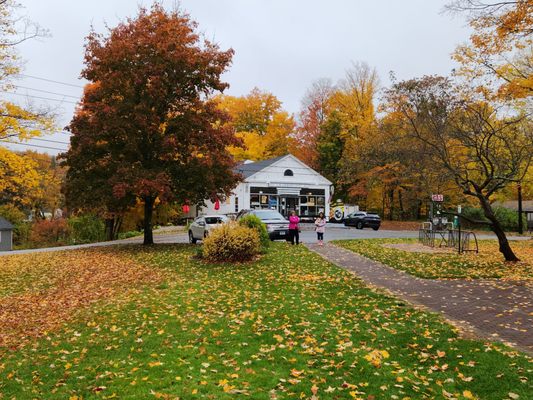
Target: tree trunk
505 248
116 227
391 205
109 229
383 203
148 211
418 210
400 203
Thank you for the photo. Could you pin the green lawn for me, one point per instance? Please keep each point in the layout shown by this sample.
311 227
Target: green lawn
489 263
290 325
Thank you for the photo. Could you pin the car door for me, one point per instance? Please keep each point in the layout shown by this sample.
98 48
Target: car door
198 228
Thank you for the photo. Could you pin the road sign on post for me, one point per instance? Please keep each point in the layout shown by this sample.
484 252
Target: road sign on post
439 198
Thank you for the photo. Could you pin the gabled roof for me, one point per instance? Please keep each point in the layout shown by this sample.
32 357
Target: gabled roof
247 170
5 224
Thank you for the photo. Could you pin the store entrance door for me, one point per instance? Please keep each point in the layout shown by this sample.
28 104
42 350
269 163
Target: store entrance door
289 204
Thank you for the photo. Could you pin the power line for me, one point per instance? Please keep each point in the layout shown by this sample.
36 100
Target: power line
49 140
50 80
33 145
39 97
46 91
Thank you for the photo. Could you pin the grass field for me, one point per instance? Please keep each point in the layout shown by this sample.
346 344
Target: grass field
489 263
135 323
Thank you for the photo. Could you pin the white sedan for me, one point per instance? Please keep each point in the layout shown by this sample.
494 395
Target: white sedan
201 226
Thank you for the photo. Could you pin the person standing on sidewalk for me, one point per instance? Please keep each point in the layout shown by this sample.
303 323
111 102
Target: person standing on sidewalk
294 228
320 228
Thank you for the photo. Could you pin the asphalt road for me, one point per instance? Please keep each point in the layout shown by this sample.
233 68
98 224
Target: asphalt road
333 232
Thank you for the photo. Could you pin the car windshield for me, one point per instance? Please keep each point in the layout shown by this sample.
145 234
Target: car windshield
268 214
215 220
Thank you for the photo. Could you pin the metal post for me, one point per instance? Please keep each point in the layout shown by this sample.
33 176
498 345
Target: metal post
459 209
520 227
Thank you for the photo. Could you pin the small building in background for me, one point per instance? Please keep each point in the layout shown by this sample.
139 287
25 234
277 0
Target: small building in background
6 235
283 184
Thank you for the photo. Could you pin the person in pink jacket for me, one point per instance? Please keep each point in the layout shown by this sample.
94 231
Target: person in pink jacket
320 228
294 228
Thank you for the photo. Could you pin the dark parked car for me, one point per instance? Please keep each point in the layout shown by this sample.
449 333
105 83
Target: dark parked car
277 226
361 219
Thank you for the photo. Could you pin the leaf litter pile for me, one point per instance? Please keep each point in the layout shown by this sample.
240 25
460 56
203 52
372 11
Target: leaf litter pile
288 326
40 292
489 263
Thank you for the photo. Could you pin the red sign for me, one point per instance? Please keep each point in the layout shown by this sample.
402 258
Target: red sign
186 209
437 197
217 205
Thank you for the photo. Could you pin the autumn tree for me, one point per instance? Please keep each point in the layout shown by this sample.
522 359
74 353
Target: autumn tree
483 150
47 196
148 116
500 51
313 113
352 106
397 173
19 179
330 146
16 121
261 123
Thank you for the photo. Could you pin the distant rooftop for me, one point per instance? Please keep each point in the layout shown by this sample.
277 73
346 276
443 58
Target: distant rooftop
527 205
248 168
5 225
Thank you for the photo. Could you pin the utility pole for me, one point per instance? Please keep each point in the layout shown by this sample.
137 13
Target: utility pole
520 225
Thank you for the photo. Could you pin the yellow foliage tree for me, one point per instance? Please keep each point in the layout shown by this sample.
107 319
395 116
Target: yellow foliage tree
16 121
259 120
47 197
19 179
501 46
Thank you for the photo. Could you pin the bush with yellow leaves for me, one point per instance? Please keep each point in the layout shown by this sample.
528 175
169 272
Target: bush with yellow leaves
231 243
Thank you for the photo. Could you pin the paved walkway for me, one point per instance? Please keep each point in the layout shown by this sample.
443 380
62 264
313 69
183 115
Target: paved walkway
493 309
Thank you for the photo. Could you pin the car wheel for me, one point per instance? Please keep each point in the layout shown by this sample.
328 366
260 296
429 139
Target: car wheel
376 228
192 240
359 225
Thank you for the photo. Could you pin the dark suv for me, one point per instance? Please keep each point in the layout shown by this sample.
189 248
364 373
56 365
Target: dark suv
277 226
361 219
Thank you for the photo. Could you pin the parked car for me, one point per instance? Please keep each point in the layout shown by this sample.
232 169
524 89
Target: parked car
277 226
361 219
201 226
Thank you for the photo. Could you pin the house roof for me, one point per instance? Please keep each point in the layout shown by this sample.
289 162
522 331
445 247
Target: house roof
5 225
527 205
248 169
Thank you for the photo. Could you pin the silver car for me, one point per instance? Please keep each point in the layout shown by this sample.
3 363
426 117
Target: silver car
201 226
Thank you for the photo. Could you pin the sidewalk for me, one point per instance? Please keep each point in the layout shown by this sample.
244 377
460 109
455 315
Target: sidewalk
493 309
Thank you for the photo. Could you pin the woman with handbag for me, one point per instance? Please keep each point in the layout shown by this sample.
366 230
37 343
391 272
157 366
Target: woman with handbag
294 228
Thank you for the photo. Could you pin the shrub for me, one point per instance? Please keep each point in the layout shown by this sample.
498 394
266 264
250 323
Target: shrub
54 231
508 218
231 243
86 229
254 222
129 234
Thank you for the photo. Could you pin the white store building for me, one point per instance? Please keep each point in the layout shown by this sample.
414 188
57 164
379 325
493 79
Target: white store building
282 183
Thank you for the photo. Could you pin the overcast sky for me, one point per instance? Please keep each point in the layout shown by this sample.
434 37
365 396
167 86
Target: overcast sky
280 46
